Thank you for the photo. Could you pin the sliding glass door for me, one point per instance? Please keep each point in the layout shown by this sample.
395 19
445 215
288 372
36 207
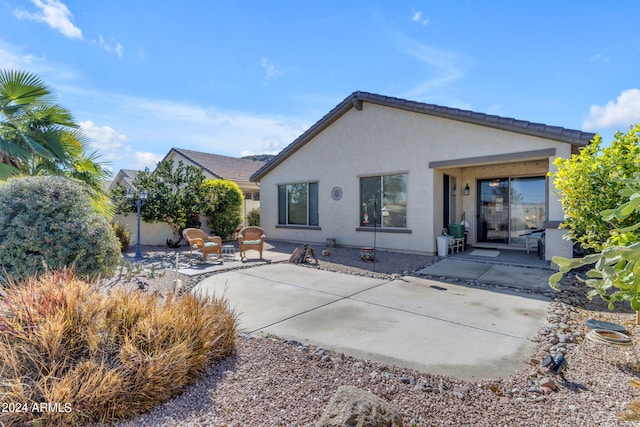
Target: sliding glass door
509 207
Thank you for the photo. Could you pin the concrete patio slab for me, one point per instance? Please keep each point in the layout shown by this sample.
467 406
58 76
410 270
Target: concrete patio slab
474 307
417 323
455 268
428 344
264 296
522 277
195 266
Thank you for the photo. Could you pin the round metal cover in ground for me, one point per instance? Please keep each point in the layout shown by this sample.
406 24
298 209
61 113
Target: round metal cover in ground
601 324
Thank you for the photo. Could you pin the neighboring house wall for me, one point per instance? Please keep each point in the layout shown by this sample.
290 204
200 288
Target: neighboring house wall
151 233
158 233
381 140
155 233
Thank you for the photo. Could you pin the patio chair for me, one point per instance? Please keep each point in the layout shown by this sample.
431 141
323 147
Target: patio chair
198 239
250 238
533 237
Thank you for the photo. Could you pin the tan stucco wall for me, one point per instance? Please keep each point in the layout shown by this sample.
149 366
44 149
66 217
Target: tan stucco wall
383 140
151 233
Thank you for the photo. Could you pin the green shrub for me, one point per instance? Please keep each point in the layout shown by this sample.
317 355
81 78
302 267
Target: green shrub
122 234
102 357
615 271
49 223
222 206
589 183
253 217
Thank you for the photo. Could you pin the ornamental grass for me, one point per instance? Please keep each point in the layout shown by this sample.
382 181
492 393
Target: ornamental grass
71 355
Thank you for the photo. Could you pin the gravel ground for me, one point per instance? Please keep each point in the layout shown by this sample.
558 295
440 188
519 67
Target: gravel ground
271 382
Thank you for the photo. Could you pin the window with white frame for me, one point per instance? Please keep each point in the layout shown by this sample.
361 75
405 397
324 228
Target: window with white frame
383 201
298 204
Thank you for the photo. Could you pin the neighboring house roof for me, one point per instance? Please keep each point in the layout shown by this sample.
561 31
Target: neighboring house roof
223 167
356 99
125 177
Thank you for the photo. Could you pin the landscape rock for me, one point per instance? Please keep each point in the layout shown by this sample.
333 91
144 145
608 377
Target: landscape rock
354 407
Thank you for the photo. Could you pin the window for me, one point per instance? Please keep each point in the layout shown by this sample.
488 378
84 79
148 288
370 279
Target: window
298 204
256 197
383 201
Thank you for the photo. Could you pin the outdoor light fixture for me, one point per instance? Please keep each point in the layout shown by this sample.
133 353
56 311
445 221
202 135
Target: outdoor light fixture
466 190
139 201
453 192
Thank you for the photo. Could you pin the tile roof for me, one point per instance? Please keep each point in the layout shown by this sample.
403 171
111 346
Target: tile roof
126 176
356 99
224 167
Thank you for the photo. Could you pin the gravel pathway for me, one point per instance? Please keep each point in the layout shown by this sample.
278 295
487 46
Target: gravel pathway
271 382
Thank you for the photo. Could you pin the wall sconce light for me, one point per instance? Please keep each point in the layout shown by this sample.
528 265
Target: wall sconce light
466 190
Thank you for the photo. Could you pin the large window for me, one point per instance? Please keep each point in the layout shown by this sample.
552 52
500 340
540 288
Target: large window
383 201
298 204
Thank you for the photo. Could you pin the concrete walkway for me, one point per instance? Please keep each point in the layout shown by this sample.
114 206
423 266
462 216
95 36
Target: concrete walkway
535 279
416 323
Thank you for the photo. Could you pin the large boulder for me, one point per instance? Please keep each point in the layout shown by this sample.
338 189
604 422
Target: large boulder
354 407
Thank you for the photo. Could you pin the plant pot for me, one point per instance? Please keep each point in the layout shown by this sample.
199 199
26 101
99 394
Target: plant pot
367 254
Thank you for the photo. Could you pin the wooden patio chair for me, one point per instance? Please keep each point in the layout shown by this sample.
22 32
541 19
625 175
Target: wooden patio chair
250 238
198 239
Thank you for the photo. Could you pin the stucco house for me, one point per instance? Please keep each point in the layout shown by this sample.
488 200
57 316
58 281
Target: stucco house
406 170
214 166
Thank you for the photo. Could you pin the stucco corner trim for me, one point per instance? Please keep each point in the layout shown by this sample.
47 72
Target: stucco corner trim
385 230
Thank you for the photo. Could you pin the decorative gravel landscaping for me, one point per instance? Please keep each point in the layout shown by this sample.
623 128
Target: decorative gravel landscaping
268 381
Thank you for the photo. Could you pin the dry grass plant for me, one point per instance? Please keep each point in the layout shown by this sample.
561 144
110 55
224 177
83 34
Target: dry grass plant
93 357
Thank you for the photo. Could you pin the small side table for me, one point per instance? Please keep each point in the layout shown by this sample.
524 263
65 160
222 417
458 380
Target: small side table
456 244
228 252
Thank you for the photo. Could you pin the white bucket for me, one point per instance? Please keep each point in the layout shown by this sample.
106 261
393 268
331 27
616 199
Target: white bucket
443 245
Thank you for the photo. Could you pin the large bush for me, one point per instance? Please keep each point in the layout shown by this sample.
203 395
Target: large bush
590 182
49 222
99 357
222 205
174 194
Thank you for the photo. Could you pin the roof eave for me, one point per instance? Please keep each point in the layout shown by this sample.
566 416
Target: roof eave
356 99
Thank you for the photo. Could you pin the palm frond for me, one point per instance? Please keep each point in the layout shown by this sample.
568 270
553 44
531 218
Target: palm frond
21 87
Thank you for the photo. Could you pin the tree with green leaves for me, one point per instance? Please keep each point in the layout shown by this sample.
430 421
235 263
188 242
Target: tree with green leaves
222 206
590 182
39 137
174 196
615 275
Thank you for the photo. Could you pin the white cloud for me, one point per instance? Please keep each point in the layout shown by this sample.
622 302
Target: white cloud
599 58
110 144
55 14
270 69
447 68
624 111
11 59
154 126
133 132
112 46
417 17
146 159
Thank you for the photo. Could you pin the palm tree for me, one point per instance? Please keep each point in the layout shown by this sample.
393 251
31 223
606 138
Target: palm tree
39 137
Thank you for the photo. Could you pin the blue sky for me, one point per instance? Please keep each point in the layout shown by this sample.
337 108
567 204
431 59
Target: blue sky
248 77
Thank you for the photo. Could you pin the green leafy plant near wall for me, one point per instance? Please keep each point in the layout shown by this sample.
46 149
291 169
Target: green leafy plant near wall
222 205
615 275
253 217
590 182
